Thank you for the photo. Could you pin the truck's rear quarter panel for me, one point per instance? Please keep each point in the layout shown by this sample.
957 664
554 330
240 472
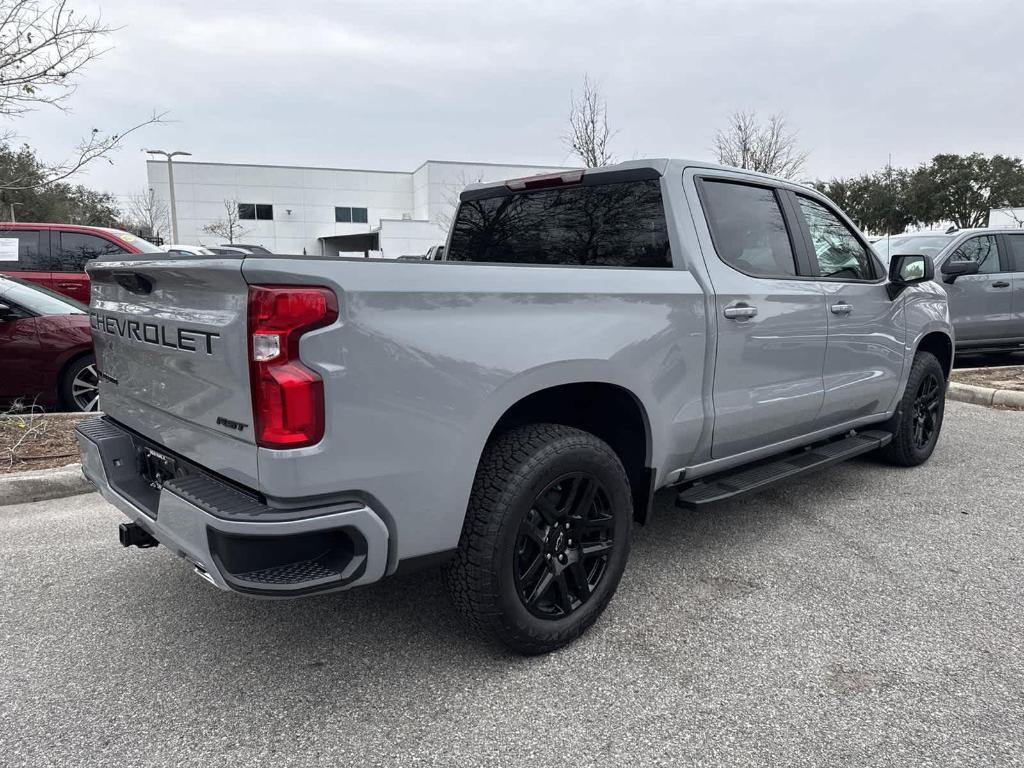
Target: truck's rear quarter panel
427 356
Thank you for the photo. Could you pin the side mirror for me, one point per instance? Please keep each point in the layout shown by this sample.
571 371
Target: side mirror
5 311
951 270
909 269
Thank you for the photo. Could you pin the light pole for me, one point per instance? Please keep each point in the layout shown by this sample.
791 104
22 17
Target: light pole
170 184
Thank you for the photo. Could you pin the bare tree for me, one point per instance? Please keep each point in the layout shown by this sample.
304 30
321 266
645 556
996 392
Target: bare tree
147 213
44 46
229 226
767 148
588 134
450 196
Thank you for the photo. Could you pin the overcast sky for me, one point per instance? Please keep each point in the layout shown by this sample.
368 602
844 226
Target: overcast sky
382 84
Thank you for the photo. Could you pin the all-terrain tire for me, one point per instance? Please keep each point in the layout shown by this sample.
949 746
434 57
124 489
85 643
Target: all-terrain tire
906 448
516 469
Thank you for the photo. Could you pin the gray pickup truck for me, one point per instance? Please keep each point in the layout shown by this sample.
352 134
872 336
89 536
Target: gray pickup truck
295 426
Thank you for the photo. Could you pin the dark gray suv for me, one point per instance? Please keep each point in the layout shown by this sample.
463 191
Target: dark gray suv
982 271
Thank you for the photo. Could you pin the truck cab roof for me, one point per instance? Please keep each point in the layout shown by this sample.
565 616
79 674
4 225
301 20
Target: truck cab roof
629 169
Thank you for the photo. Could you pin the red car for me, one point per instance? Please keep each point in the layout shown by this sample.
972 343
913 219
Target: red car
54 255
45 349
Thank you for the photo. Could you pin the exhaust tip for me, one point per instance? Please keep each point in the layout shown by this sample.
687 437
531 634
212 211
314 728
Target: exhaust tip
201 572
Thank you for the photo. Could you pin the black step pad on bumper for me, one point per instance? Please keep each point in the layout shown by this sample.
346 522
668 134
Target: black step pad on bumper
730 484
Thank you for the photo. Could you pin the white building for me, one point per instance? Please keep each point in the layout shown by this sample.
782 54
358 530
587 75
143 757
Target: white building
325 211
1006 217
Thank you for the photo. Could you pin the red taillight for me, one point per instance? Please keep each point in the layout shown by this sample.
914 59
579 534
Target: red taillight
287 397
545 180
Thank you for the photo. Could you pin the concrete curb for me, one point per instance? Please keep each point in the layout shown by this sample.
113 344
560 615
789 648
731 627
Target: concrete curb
41 484
968 393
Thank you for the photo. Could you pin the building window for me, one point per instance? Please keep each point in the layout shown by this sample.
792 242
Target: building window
348 215
254 211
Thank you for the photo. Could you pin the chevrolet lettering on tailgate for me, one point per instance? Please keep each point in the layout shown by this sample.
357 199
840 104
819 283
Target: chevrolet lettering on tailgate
187 339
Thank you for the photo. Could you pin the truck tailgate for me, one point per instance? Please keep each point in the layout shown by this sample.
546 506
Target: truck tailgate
171 344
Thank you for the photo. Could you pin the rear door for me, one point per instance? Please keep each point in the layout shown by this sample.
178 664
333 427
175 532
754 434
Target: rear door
171 343
981 305
866 330
771 333
71 251
25 253
1014 247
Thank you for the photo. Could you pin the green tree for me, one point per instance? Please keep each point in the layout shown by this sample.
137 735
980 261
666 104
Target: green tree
54 202
958 189
876 201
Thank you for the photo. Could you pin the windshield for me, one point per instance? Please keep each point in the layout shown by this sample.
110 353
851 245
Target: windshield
37 299
137 242
929 245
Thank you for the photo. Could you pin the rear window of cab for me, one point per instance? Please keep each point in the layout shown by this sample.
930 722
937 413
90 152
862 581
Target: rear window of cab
600 225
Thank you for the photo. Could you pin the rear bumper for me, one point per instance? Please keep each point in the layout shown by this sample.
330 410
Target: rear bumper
231 539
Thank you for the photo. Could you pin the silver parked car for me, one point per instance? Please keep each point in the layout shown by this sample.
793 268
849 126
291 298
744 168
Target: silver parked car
982 271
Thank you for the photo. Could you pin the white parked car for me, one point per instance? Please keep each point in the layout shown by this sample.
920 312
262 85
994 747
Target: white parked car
187 250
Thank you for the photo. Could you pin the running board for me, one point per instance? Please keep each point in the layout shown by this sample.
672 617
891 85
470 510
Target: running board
727 485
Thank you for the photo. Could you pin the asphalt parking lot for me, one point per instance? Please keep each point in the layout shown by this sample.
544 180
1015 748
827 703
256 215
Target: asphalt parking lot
860 616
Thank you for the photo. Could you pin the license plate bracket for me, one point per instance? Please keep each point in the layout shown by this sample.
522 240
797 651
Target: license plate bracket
158 468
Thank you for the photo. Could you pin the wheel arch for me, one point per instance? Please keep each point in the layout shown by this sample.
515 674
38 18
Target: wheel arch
939 344
611 412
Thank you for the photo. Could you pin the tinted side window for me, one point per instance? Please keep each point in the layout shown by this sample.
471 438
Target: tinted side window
1016 246
607 225
748 229
983 249
26 252
76 248
838 251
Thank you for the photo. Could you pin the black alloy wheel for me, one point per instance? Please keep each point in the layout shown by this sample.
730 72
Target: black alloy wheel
563 547
926 406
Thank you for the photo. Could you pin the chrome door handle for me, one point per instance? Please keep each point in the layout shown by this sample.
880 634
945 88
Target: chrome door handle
841 309
740 312
1000 284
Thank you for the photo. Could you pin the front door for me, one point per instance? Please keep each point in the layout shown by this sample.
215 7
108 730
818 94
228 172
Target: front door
866 336
771 337
981 305
1015 253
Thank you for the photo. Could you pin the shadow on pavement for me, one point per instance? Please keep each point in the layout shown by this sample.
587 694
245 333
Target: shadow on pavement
988 360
